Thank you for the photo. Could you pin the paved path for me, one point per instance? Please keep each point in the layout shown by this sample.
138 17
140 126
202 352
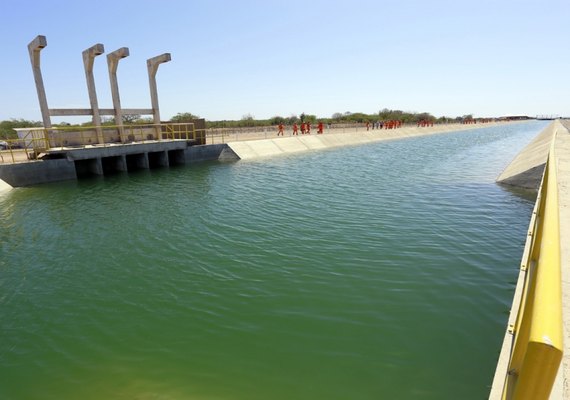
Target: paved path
562 150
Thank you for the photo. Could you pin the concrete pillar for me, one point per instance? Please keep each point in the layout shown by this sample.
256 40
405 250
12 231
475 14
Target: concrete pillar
152 66
142 161
88 59
121 163
113 62
34 48
96 166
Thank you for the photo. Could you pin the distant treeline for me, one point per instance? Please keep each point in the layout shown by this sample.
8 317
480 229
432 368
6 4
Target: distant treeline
7 127
337 118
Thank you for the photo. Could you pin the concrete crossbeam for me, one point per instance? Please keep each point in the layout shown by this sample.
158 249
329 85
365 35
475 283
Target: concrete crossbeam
63 112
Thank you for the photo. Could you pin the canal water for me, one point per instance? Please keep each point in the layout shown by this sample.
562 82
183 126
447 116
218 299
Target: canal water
383 271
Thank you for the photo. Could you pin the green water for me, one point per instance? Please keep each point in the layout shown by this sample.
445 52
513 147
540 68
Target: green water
383 271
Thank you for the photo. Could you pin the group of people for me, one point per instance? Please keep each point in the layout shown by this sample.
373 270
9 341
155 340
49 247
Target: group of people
391 124
305 129
425 123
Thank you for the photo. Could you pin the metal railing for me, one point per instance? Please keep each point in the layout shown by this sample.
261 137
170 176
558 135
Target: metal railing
225 135
535 326
38 140
24 148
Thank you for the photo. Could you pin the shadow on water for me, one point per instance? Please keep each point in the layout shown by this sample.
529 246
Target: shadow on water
523 193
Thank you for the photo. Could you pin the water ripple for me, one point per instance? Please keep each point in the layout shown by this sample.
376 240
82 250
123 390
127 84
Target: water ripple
334 274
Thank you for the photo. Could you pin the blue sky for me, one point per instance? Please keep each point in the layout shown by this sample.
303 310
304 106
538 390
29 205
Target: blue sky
267 58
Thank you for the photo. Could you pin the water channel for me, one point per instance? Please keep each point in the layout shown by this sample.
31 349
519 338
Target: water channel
383 271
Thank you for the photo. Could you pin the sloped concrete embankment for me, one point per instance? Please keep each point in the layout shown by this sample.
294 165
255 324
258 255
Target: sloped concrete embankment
252 149
4 187
526 169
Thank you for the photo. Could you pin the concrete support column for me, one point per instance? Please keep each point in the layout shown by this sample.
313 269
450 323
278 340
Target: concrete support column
96 166
121 163
34 49
113 62
88 59
142 161
152 66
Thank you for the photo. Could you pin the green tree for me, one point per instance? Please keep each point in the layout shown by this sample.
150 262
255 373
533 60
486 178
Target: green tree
292 119
184 117
7 127
131 118
247 120
277 120
311 118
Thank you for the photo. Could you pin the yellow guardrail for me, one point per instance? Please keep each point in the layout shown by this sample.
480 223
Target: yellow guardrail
23 149
38 140
537 345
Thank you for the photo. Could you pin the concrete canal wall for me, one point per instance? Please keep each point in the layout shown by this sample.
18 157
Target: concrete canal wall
296 144
527 167
36 172
4 186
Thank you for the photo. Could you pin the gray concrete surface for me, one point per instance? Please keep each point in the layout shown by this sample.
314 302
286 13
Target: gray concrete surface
4 187
68 163
526 168
119 149
36 172
562 158
275 146
209 152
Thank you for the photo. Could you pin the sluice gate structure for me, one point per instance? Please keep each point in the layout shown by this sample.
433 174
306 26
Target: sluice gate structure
54 153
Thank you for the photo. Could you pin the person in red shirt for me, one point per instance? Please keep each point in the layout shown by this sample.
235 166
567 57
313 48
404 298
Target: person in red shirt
303 128
308 128
320 128
280 132
295 129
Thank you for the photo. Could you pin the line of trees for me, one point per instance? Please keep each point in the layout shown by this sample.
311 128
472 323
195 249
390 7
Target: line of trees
248 120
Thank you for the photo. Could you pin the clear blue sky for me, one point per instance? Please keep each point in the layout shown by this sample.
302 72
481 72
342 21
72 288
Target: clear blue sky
231 58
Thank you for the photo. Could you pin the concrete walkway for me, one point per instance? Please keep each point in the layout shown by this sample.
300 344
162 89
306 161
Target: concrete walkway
562 150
